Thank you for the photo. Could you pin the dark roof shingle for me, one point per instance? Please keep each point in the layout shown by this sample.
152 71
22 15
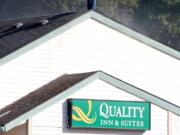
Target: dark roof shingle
40 96
30 31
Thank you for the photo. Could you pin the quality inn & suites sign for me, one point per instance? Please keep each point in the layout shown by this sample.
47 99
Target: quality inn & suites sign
130 115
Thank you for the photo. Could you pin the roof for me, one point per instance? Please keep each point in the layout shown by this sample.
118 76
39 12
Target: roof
13 38
60 88
27 37
34 99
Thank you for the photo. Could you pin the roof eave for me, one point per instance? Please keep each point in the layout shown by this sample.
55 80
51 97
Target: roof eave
45 38
97 75
48 103
104 20
139 93
135 35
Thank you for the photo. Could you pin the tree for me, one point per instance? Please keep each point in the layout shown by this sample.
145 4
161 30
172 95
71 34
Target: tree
161 19
63 5
120 10
158 19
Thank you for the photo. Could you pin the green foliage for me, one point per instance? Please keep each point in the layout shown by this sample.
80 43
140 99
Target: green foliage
130 3
171 2
63 5
158 19
120 10
161 19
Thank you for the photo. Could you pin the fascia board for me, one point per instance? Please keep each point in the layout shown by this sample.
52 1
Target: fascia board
98 17
135 35
45 38
51 101
106 78
139 93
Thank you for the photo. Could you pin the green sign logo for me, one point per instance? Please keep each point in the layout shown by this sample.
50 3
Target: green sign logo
108 114
82 116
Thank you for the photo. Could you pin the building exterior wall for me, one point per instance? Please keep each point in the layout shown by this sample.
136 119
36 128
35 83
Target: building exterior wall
92 46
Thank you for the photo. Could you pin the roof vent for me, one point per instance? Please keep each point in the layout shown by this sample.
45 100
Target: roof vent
12 29
44 22
91 4
18 25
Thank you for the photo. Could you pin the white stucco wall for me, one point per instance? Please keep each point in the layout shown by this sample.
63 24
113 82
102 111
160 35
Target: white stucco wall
92 46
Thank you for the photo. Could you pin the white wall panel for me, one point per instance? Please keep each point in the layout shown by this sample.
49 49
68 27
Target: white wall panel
175 125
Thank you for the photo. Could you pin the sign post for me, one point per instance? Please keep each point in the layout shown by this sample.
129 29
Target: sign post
104 114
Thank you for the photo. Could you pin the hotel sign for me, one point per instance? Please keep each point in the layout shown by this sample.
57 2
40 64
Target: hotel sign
108 114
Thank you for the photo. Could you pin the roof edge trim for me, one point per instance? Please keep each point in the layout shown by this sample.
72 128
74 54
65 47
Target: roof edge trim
102 19
45 38
104 77
51 101
135 35
139 93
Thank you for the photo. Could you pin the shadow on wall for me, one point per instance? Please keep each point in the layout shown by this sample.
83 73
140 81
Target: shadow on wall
93 131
